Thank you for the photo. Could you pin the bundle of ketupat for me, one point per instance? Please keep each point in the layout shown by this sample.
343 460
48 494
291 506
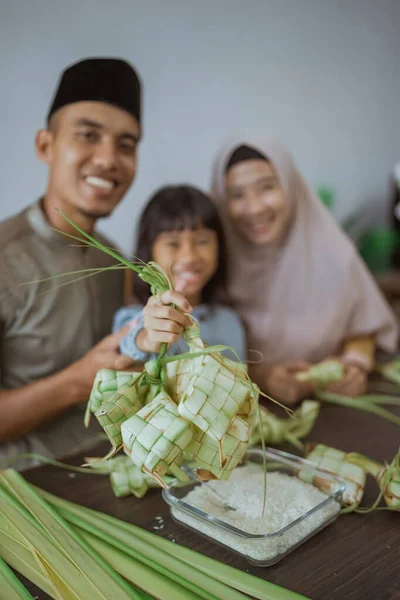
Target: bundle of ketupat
204 417
200 408
353 468
127 478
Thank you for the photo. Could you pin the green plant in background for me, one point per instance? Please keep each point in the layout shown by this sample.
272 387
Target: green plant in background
327 195
377 246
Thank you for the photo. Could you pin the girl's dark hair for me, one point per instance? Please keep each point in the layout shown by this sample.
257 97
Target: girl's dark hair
174 208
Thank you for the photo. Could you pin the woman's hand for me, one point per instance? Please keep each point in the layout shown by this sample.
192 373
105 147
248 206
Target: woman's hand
282 384
163 324
354 382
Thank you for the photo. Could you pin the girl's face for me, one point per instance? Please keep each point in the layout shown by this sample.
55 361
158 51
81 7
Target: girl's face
256 202
189 257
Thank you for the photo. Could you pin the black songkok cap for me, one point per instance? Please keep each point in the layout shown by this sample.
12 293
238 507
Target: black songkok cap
109 80
243 153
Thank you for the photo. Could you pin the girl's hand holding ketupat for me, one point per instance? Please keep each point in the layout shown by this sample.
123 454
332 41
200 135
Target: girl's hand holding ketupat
163 323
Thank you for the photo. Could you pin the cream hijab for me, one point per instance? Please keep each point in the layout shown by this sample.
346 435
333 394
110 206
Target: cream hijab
304 299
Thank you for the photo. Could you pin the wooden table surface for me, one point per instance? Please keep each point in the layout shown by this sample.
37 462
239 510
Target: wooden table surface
355 558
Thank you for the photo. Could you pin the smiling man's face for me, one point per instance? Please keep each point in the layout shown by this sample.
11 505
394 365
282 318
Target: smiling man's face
91 150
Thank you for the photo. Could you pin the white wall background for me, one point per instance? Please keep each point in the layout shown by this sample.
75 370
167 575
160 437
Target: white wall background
322 75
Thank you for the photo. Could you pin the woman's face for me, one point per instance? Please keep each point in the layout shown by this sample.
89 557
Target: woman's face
257 205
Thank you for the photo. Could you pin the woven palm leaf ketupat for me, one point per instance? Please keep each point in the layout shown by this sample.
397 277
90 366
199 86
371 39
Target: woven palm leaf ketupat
176 377
386 475
126 478
115 397
323 373
335 462
202 414
222 402
156 436
354 468
205 450
276 430
106 384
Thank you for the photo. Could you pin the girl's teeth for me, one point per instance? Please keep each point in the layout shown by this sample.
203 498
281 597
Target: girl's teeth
99 182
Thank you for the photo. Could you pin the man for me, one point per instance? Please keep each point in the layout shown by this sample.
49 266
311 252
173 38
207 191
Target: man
52 335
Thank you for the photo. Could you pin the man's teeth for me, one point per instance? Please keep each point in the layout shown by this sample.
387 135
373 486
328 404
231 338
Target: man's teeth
100 182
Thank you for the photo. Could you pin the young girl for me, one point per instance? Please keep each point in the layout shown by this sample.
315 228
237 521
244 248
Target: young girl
180 229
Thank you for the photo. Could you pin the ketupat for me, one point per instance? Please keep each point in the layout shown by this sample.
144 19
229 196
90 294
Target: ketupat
106 384
178 374
323 373
218 398
335 462
210 406
386 475
353 468
212 400
176 377
389 482
126 478
278 431
156 436
115 397
206 451
216 395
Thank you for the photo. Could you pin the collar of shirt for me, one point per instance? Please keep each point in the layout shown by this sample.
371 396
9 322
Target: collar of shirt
41 226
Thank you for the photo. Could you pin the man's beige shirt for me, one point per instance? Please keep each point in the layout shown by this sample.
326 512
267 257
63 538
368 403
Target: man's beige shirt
46 326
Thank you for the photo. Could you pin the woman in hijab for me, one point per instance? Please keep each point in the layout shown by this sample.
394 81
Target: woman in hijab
294 277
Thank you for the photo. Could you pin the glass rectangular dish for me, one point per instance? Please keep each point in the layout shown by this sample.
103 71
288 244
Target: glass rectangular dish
269 548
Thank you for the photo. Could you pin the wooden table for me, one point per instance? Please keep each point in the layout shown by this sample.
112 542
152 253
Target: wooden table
355 558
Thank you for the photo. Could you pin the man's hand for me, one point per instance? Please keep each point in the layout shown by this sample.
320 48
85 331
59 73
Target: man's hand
27 407
104 355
